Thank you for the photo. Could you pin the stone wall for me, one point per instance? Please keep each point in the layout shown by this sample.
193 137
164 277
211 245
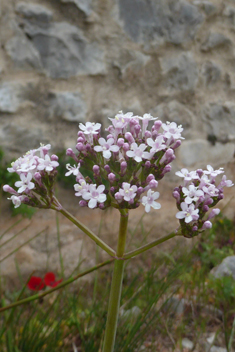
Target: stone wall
69 61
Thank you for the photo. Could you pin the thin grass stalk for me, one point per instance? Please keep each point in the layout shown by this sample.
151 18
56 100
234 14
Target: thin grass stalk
22 245
9 228
116 286
59 245
13 237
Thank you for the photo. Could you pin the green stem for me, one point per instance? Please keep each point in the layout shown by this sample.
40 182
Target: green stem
64 283
85 229
152 244
116 287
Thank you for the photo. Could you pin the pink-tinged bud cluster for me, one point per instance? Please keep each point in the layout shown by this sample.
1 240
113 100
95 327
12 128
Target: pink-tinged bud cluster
37 171
195 198
127 163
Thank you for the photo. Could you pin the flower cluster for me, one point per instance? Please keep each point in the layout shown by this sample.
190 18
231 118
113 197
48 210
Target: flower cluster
116 171
194 199
36 283
37 171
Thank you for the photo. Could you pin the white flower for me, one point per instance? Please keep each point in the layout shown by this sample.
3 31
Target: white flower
172 130
82 188
145 120
156 145
28 163
138 153
213 173
90 127
16 201
149 201
192 194
188 212
106 147
212 191
73 170
95 195
121 120
128 192
25 183
188 176
47 164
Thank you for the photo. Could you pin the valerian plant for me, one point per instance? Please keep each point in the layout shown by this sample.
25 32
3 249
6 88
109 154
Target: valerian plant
121 171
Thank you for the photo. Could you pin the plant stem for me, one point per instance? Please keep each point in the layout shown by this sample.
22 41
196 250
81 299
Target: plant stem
149 245
63 284
116 286
85 229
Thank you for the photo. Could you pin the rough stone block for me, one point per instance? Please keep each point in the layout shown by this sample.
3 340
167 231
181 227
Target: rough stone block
181 72
211 73
67 105
34 11
84 5
215 41
175 21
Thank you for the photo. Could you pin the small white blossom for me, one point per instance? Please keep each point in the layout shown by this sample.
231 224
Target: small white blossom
95 195
106 147
73 170
81 188
90 127
213 173
156 145
137 152
171 130
25 183
128 192
16 200
149 201
189 213
47 164
192 194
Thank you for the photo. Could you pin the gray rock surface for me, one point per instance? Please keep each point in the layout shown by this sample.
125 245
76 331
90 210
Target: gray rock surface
84 5
21 139
67 105
180 72
34 11
208 7
173 21
200 152
215 41
211 73
219 120
64 51
23 53
226 268
12 96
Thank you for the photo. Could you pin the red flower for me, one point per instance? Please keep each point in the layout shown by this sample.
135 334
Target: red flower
35 283
49 280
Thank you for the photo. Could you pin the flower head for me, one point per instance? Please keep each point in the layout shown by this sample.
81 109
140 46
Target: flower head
149 201
35 283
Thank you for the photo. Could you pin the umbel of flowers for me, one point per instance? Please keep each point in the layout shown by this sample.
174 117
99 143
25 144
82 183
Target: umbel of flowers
121 170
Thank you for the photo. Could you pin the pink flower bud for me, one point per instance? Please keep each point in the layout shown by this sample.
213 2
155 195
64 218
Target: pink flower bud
166 169
167 157
176 195
109 136
208 201
9 189
80 140
195 228
118 196
207 225
126 147
149 178
157 125
83 203
112 189
107 168
205 208
147 134
129 137
137 129
54 157
123 167
176 145
120 142
88 147
153 184
140 190
71 153
213 213
147 164
81 134
111 177
80 147
96 170
199 172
